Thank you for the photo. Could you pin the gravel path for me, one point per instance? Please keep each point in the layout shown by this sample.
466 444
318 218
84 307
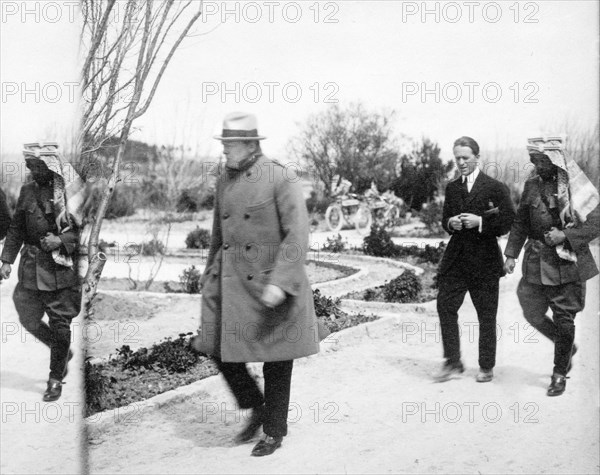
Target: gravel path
367 404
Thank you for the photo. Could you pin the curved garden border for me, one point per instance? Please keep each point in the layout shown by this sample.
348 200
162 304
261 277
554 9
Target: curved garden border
126 414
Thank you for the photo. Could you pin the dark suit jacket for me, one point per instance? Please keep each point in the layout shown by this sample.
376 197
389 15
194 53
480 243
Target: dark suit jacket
475 253
37 269
541 264
4 215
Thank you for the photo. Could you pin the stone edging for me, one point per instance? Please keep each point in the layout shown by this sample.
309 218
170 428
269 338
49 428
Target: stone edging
132 412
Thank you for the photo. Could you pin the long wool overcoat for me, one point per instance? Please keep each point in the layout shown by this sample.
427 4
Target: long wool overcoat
259 236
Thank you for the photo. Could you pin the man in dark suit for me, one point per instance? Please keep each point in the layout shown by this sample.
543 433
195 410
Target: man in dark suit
48 280
559 220
477 210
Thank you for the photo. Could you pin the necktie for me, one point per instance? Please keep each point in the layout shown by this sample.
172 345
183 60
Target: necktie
465 188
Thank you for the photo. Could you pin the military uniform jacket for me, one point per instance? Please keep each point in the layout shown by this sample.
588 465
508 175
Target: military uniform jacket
33 218
259 236
541 264
4 215
477 253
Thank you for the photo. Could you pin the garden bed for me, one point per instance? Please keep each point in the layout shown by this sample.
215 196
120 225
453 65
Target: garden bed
428 281
317 272
134 376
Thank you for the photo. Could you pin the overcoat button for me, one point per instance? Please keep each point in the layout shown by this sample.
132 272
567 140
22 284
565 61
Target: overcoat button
246 216
225 216
225 246
250 276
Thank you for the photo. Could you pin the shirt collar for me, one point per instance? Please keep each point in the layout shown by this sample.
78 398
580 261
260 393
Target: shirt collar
472 177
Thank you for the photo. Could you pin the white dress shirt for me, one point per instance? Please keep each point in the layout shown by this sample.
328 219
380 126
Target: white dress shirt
470 182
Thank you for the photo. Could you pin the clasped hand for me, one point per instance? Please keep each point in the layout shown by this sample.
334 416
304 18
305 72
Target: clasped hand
464 221
50 242
554 237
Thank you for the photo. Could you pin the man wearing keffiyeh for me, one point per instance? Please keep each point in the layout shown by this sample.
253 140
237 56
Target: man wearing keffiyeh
45 228
559 215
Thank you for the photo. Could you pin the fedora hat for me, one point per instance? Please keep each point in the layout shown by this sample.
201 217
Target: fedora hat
239 126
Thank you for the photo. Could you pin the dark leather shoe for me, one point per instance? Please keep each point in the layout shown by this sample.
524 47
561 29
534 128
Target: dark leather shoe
266 446
570 367
558 384
448 371
53 391
69 358
254 424
484 375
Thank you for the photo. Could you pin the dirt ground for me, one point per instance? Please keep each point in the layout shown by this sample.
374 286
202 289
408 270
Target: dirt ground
367 404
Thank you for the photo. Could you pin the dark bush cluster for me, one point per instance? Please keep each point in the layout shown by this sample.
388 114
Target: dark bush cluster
194 199
314 204
404 288
153 247
335 244
431 216
187 201
174 356
379 243
198 239
190 280
333 317
123 202
326 306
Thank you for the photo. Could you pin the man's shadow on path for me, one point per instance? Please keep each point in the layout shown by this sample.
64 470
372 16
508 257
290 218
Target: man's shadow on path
509 375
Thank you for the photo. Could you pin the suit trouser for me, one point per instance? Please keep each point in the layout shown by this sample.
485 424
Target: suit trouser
566 301
61 306
278 379
484 294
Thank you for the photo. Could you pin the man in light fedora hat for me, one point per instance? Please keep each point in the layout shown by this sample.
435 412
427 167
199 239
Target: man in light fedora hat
257 304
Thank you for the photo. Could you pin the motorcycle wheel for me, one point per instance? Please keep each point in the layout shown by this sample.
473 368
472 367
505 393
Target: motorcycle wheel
334 217
363 220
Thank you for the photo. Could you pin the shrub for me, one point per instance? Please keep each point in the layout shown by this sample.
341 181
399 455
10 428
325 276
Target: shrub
433 254
431 216
96 384
402 289
190 280
370 294
153 247
314 204
208 201
187 201
174 356
335 244
326 306
122 203
379 243
198 239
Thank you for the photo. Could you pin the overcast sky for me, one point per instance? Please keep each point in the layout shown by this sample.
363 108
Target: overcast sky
497 71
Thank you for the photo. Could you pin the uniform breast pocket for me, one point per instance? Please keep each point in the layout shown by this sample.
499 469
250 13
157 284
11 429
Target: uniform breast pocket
34 218
262 218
